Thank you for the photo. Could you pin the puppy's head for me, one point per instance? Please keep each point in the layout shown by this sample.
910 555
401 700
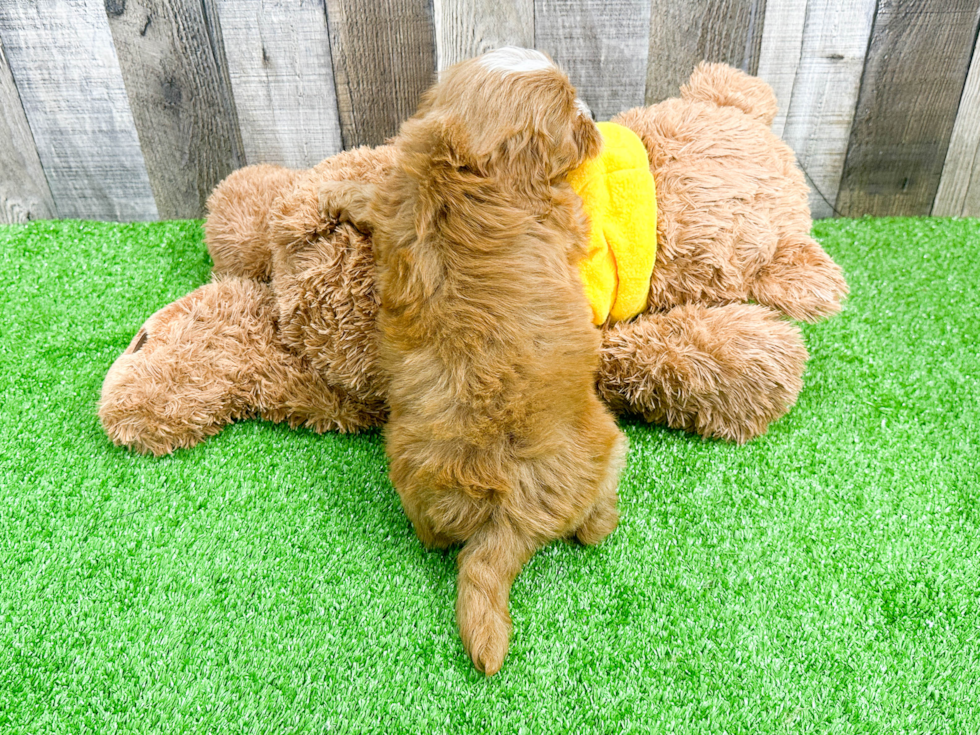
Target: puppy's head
510 110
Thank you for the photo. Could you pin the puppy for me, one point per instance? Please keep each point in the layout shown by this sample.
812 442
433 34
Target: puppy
496 438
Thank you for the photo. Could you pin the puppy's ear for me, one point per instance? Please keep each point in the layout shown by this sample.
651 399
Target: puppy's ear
582 142
587 138
455 142
432 142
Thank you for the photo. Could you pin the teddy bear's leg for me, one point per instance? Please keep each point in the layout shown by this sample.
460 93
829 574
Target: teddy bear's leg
720 371
237 227
208 359
186 373
801 280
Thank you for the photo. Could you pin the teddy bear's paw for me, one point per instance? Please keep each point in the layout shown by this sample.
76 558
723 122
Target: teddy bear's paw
801 281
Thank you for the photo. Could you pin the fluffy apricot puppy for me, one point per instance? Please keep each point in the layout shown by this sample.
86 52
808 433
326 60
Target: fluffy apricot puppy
496 437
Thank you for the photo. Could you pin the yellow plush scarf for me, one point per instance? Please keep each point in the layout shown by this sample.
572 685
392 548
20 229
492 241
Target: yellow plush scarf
620 198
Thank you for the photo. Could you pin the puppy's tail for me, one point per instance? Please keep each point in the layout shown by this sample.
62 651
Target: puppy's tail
488 565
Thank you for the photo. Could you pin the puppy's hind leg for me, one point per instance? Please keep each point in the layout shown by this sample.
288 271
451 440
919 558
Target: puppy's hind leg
603 517
488 565
426 532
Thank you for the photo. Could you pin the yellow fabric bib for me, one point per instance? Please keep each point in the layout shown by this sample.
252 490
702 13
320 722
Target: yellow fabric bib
620 198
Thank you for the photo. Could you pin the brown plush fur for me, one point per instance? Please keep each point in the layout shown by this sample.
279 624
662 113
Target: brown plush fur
733 228
215 357
496 437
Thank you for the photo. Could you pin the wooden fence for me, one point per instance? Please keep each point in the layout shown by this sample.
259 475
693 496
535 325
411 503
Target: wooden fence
135 109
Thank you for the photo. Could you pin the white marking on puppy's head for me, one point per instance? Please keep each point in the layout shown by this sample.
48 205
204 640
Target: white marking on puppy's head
584 109
514 60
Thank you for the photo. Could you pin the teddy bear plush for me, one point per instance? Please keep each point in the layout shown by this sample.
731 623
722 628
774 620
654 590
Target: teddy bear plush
286 328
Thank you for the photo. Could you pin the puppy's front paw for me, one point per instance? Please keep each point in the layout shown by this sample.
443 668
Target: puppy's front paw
330 201
485 633
346 201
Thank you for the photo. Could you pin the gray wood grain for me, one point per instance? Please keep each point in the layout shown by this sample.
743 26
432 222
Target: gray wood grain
24 192
383 60
813 55
915 72
180 103
601 44
278 54
468 28
781 52
959 185
62 57
685 33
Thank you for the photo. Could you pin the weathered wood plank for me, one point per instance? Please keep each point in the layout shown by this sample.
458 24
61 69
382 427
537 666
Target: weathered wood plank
24 192
959 185
63 60
915 71
383 60
468 28
813 55
684 33
183 111
601 44
781 51
278 54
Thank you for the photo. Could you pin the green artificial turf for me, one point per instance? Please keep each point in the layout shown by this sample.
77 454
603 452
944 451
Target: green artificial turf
823 578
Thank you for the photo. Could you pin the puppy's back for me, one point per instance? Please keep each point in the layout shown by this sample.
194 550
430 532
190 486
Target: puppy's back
486 333
496 436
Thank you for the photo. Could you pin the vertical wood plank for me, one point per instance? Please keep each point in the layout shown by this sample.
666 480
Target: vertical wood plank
468 28
278 54
24 192
915 71
181 106
602 45
813 55
62 57
383 60
685 33
959 185
781 52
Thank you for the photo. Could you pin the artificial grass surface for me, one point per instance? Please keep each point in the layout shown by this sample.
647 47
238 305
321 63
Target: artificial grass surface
823 578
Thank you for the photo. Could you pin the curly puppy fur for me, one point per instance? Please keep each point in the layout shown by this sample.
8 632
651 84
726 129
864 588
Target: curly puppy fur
496 437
